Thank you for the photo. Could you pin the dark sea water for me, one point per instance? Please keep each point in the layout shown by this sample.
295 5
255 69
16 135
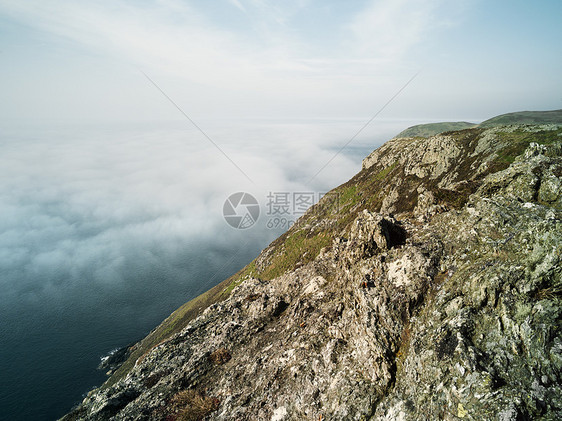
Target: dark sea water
50 348
105 232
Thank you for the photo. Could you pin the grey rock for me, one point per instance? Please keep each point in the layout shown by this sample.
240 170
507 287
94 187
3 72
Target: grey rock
438 313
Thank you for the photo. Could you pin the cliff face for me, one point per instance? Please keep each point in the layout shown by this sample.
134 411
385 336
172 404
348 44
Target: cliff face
427 287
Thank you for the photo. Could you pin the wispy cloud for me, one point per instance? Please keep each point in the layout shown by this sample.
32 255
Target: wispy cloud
267 51
389 29
238 4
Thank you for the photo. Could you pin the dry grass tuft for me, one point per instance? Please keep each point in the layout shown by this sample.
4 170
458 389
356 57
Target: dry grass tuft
190 405
220 356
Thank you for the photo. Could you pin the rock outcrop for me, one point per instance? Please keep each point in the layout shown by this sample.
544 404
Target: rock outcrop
430 289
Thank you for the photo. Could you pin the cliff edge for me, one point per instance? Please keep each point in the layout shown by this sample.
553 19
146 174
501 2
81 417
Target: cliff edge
429 286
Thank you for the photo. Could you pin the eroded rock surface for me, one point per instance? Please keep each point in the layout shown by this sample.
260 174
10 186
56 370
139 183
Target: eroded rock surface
433 313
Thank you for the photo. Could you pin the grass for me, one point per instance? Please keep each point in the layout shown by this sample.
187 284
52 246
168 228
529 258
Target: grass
346 198
382 174
249 271
403 348
220 356
516 142
522 117
299 249
525 117
190 405
430 129
331 217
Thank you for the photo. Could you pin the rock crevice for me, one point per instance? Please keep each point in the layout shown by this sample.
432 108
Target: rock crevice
444 310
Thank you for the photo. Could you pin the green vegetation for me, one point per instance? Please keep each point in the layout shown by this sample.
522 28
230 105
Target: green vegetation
521 117
298 249
516 142
332 216
346 199
431 129
525 117
346 196
384 173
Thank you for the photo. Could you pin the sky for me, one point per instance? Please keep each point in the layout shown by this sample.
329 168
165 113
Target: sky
84 61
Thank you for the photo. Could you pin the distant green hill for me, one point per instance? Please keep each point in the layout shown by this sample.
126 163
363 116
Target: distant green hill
521 117
525 117
426 130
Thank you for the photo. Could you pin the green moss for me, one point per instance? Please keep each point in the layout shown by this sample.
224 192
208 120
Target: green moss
298 249
332 217
381 175
347 195
248 271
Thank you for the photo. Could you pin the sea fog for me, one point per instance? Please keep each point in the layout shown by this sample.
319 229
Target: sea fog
104 231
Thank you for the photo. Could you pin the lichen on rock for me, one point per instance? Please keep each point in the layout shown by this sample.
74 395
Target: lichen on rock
448 307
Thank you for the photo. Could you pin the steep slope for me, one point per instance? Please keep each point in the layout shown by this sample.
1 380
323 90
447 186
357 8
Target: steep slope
520 117
427 287
525 117
431 129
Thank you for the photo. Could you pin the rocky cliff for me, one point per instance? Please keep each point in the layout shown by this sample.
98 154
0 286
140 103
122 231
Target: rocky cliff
427 287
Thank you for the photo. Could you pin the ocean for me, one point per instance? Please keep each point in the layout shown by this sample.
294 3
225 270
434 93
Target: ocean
107 229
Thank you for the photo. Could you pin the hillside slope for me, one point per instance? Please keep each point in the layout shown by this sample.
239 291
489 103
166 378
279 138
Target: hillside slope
520 117
431 129
525 117
429 286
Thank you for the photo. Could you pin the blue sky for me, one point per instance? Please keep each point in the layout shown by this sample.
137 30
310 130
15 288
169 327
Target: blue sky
82 61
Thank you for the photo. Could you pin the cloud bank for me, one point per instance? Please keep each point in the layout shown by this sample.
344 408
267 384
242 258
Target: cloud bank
86 210
105 231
